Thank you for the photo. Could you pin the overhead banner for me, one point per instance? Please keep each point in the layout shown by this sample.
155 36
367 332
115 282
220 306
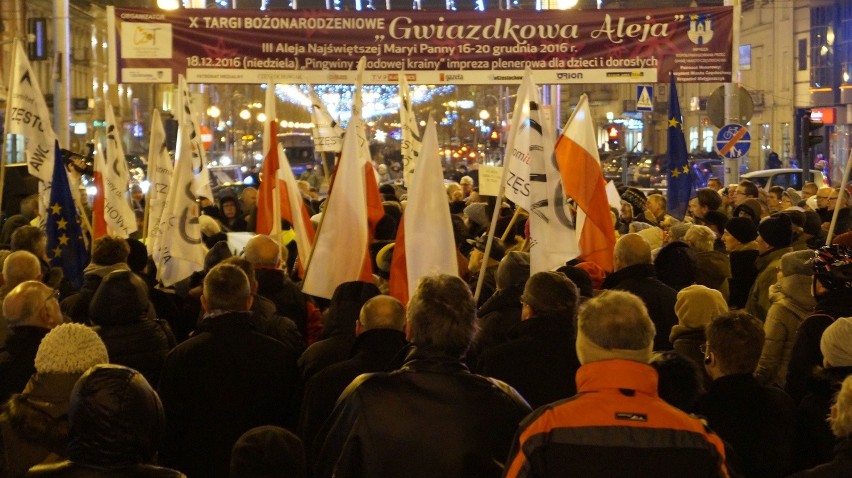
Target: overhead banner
431 47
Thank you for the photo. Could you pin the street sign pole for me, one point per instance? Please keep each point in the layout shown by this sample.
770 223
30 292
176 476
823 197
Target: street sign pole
732 103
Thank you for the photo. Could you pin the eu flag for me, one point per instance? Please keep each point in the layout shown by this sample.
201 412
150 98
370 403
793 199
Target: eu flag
65 245
680 187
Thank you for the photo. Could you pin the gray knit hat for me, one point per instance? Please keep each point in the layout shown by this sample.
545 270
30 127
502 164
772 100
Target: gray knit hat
70 348
514 269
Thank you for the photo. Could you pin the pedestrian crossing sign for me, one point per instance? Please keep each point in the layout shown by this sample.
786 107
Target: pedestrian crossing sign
644 98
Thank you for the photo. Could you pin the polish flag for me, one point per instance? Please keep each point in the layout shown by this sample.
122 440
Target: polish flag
424 241
582 179
353 207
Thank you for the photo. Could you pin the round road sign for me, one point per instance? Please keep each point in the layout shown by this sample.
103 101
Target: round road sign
733 141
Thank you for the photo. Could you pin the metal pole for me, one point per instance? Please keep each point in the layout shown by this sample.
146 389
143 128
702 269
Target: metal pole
62 72
732 99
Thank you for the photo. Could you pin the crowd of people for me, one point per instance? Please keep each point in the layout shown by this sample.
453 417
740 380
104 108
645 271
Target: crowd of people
720 345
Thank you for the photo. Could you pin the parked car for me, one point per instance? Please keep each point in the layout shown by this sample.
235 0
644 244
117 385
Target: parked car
784 177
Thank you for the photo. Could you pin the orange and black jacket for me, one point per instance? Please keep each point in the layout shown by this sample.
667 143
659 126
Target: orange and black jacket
616 425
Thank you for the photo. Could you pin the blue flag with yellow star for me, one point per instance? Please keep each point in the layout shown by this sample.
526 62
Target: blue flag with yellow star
680 186
65 245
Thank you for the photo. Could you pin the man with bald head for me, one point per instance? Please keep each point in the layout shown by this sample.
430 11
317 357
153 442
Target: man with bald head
634 272
18 267
31 310
381 336
273 284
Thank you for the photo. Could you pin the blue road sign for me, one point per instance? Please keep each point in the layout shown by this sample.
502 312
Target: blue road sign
733 141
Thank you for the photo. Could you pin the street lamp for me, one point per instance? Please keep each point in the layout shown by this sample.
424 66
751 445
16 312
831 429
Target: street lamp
168 4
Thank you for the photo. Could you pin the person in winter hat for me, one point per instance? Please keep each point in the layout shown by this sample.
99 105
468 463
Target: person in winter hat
775 235
740 243
34 424
791 303
696 306
110 436
832 290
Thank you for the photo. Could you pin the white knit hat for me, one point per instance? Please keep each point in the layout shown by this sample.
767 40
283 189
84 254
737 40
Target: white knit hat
836 343
70 348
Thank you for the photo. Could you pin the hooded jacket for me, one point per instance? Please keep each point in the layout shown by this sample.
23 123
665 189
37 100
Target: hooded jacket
120 309
115 423
758 297
791 303
34 424
712 270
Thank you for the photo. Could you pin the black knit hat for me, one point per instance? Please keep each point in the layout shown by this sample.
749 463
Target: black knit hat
776 230
742 228
636 198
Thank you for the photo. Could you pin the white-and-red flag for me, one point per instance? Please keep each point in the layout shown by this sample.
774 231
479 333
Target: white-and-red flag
294 211
411 138
341 249
582 179
269 194
117 214
160 172
424 241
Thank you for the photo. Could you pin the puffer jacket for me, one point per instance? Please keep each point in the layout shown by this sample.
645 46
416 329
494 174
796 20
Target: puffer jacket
116 421
120 309
34 424
791 303
76 307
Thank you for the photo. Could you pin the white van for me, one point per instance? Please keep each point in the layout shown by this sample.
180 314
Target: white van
784 177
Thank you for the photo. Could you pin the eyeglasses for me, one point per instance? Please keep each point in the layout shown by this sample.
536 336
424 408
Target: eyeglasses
703 348
53 295
740 193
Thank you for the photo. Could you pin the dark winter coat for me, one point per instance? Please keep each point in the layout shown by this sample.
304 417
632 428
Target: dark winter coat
757 303
17 359
374 351
34 424
641 280
743 274
217 385
839 467
816 442
110 437
268 322
288 299
539 361
338 328
757 421
497 316
430 418
806 355
76 307
675 266
131 338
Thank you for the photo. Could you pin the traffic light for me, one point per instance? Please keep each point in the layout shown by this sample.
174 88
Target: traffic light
494 139
613 134
809 127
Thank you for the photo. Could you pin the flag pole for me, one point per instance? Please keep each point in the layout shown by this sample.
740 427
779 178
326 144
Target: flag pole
507 158
5 154
840 197
511 223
